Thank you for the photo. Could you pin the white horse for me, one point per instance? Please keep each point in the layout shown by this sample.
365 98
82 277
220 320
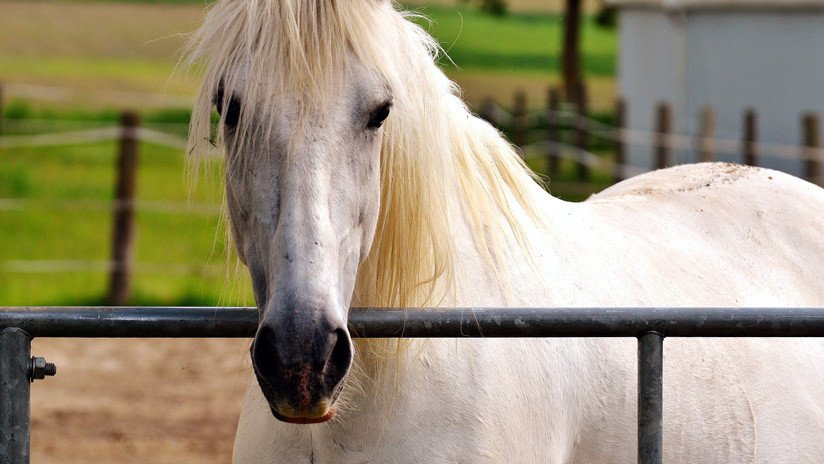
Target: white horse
334 201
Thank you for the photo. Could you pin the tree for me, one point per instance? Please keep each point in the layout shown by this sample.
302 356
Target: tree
571 66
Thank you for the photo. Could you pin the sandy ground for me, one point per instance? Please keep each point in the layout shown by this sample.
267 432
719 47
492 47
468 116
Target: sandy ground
138 401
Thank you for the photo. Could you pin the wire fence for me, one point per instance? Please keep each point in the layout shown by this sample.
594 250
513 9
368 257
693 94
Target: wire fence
55 266
101 134
567 131
147 206
127 136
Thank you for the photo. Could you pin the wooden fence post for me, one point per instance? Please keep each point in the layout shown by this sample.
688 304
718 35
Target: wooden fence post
620 143
581 131
812 151
488 112
553 122
520 129
663 128
123 232
750 137
706 141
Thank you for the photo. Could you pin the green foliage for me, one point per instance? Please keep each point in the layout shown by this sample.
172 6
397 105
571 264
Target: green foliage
607 16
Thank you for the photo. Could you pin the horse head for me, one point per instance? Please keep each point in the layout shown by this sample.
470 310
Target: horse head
301 120
303 207
329 195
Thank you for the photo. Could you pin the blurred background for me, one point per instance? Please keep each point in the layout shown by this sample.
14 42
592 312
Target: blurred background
96 206
70 69
592 93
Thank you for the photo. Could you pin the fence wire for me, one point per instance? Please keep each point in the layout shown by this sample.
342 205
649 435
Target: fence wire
573 120
147 206
672 141
54 266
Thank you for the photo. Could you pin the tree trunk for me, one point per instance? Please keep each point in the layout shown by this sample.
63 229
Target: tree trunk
571 52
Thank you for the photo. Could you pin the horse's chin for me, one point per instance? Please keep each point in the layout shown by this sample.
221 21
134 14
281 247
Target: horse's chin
330 413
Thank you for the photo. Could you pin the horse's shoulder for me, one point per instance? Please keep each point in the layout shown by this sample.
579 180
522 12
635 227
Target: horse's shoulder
705 179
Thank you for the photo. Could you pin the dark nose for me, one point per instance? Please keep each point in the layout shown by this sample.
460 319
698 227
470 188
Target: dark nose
297 367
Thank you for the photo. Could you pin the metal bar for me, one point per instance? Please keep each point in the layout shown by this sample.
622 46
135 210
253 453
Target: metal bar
650 397
15 357
161 322
132 322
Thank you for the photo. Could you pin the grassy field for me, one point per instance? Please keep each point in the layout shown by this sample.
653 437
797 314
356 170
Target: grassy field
65 218
523 42
110 53
55 211
72 65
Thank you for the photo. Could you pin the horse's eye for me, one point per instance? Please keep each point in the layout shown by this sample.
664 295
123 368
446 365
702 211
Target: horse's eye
232 110
379 116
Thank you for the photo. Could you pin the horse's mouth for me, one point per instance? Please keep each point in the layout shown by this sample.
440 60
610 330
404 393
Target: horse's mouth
286 411
330 413
321 412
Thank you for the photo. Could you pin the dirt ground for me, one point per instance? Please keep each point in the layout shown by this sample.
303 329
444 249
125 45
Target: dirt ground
138 401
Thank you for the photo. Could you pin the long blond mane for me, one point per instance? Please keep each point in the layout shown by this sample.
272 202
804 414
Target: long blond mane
434 149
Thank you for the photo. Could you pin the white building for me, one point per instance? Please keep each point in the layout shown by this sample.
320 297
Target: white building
731 54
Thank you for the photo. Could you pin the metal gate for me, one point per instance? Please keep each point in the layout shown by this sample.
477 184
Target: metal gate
18 325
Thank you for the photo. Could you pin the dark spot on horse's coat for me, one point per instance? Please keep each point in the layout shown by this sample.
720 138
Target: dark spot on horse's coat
287 257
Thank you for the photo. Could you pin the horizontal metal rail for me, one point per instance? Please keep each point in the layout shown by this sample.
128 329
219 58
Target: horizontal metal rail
650 325
175 322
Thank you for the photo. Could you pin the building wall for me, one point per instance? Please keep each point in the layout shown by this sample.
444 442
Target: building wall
772 61
646 71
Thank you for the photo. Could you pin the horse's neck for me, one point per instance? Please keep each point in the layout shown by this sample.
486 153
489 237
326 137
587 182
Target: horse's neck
528 262
484 274
389 386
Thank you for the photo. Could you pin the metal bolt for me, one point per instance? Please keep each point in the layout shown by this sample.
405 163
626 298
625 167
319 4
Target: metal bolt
39 369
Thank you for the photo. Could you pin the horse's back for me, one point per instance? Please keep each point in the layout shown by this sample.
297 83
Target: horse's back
712 233
721 235
702 179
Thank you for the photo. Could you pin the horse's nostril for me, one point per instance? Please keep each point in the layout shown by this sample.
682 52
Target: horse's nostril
341 357
265 351
301 368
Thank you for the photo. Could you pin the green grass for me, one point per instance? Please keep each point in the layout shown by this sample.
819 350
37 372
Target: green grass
46 230
105 49
529 43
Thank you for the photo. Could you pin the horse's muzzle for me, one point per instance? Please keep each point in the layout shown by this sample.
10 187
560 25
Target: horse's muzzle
301 372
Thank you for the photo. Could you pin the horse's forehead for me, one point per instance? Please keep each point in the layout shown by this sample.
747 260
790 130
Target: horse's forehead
353 77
